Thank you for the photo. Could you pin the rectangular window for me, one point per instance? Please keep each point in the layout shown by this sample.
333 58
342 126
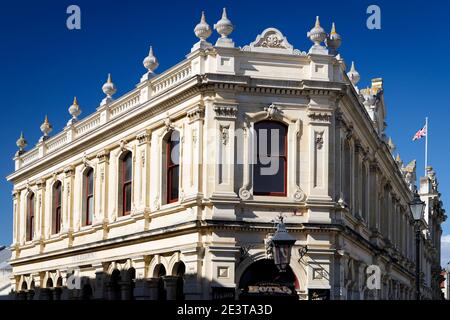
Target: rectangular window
270 169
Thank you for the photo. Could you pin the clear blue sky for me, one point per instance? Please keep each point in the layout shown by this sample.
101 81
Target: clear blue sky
43 64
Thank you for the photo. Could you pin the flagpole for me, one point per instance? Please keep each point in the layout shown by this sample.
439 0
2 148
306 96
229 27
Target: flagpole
426 145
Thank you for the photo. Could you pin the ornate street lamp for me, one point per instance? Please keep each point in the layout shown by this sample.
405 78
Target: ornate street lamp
417 207
282 243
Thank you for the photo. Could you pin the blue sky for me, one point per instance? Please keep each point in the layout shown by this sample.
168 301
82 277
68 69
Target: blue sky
43 64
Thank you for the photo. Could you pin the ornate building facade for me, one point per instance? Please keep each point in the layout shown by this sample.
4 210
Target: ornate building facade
159 194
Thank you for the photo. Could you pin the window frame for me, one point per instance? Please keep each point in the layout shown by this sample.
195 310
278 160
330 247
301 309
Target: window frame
57 207
87 196
30 216
284 157
125 183
170 167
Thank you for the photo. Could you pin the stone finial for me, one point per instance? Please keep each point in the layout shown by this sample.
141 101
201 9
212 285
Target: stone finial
391 145
150 62
334 40
317 35
224 27
74 109
353 75
399 160
202 30
46 127
109 88
21 143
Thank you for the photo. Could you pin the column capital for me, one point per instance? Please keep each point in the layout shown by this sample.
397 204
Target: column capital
41 183
197 113
144 137
103 156
69 171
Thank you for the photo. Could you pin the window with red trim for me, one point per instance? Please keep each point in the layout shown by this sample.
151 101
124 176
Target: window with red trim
270 167
30 216
88 195
57 208
126 183
173 166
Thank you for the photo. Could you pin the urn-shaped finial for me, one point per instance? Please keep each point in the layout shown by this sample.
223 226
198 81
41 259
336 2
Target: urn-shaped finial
224 27
46 127
353 75
150 62
334 39
109 88
317 34
21 143
202 30
74 109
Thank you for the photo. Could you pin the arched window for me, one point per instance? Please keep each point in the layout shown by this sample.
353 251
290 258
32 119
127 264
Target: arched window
57 207
30 217
126 180
172 166
270 167
88 196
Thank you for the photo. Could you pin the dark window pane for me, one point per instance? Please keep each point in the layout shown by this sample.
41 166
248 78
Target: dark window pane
90 179
127 168
127 200
269 174
266 184
174 178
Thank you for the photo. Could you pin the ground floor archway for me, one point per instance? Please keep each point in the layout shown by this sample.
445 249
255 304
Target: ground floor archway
263 280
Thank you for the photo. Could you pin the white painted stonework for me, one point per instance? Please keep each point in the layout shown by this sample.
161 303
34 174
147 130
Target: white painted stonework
347 197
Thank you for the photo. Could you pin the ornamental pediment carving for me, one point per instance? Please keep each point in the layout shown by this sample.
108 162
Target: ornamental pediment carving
272 40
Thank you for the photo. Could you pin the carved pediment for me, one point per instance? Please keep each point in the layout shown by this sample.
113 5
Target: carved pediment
272 40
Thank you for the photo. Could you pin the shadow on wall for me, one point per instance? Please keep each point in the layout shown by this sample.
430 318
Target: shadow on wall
261 280
119 285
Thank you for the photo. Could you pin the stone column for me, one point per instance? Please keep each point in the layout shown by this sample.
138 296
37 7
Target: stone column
170 283
16 216
192 259
193 156
125 290
100 291
152 285
101 186
67 199
40 210
319 148
143 171
57 293
140 291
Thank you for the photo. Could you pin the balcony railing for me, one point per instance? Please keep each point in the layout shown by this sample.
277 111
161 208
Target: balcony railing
157 85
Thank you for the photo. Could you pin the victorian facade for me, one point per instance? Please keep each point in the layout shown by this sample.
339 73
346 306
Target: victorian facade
159 194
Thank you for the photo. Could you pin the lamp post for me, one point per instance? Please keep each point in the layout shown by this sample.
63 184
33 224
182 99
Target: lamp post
417 207
282 243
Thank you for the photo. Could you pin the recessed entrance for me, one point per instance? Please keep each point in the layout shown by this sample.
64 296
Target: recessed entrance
263 280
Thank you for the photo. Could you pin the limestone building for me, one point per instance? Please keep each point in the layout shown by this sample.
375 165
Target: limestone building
160 193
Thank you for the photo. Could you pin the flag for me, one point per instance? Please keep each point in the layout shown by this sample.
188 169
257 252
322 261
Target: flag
420 134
